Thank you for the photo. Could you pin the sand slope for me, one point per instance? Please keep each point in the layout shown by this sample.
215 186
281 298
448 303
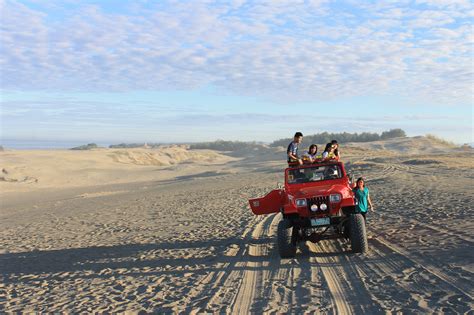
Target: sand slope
190 244
23 170
408 145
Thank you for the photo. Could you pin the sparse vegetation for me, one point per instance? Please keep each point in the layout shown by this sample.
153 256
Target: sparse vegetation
439 140
344 137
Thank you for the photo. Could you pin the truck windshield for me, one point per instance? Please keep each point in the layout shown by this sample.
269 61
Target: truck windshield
314 174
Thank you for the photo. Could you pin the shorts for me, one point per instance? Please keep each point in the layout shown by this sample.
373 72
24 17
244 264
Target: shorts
293 162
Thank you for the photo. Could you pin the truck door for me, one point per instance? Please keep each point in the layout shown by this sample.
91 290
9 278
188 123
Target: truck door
271 203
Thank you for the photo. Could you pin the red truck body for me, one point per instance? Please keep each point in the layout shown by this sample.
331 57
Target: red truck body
316 203
284 199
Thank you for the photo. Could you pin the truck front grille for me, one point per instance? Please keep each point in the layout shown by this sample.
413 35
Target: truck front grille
318 200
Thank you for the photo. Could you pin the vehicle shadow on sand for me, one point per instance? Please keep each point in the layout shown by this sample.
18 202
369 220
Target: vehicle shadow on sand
102 257
93 260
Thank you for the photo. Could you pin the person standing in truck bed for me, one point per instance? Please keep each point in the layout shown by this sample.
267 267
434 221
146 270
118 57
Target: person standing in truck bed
292 151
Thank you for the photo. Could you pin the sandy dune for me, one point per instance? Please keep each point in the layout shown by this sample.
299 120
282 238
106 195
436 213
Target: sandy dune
26 171
187 242
414 145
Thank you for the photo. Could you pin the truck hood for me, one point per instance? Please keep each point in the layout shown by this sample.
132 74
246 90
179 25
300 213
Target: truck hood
321 190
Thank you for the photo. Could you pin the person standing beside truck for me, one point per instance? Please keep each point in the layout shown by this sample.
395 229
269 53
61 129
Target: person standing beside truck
292 151
362 196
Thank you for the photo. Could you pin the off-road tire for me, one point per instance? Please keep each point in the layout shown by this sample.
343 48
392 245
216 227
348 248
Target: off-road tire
286 245
358 233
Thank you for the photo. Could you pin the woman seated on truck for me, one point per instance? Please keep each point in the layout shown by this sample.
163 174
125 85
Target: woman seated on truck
336 149
328 153
311 155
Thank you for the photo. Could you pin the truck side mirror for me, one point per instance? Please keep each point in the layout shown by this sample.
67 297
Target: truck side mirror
351 180
350 176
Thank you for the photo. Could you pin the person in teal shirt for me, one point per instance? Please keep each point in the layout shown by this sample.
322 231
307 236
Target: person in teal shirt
361 194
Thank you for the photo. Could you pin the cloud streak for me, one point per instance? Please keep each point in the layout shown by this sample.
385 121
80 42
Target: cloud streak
64 118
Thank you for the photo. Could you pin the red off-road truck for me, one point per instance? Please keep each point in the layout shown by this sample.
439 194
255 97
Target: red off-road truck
316 203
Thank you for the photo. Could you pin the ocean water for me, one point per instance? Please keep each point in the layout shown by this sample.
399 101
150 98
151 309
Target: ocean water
44 144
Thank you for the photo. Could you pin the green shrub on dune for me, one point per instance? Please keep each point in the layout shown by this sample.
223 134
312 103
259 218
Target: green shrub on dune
88 146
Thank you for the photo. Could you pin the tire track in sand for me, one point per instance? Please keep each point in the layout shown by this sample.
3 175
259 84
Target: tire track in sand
253 273
401 284
429 268
430 263
258 280
348 292
215 286
441 229
236 274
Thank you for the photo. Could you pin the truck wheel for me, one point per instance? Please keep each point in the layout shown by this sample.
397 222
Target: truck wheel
358 234
286 246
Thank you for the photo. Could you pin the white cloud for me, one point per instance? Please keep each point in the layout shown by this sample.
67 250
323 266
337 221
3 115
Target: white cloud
284 50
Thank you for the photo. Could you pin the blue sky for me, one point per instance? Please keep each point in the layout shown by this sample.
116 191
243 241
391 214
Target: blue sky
178 71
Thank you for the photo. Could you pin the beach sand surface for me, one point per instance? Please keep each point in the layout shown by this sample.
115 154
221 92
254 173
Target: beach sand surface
170 230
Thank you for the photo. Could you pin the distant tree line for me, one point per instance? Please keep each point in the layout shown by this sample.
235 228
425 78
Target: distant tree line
133 145
325 137
222 145
91 146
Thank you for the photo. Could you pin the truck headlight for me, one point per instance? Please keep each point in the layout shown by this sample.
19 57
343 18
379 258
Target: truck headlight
335 198
323 207
314 208
301 202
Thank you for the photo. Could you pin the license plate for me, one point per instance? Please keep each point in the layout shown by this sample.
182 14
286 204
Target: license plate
320 221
